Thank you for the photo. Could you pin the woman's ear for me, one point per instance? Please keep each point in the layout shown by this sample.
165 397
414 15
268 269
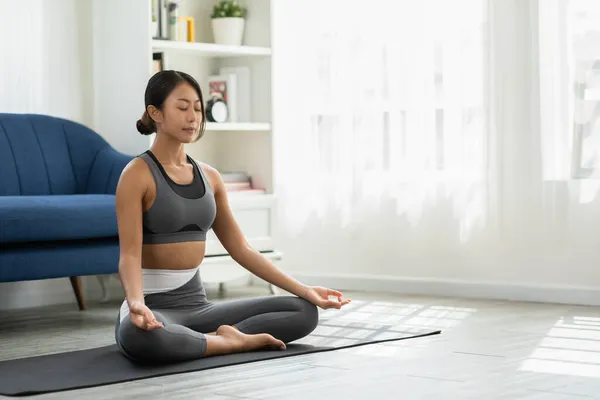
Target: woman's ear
155 114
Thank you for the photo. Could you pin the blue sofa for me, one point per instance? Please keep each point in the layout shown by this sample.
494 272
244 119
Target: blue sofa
57 200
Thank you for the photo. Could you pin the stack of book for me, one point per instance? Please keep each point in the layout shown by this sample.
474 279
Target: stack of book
238 182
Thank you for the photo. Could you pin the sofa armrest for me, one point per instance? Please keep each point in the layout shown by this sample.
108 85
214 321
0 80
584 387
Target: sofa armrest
106 170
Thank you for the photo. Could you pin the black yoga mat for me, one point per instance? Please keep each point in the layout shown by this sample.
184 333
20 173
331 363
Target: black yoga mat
105 365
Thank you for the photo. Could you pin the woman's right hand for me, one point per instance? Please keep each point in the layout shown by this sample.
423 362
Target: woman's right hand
142 317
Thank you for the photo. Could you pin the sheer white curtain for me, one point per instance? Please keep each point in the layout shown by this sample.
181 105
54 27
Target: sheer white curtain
435 140
22 47
44 58
380 112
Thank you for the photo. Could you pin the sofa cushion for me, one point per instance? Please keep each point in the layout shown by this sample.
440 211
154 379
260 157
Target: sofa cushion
57 217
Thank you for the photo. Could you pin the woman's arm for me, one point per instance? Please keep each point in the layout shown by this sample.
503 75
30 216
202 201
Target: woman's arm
129 194
230 235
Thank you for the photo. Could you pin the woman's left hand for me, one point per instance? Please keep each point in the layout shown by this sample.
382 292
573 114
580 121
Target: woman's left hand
319 296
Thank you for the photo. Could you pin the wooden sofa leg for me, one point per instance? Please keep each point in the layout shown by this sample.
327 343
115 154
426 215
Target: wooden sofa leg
78 289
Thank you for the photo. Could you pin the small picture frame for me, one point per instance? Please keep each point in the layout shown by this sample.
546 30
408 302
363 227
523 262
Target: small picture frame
224 87
217 87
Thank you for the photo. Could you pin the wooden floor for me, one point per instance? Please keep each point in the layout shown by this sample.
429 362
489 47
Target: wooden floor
487 350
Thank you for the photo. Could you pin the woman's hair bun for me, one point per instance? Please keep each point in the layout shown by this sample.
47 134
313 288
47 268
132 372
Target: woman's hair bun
145 125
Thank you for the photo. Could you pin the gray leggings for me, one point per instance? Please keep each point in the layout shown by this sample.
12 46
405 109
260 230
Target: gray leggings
187 315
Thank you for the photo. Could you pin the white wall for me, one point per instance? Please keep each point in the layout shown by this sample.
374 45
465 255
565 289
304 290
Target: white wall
121 69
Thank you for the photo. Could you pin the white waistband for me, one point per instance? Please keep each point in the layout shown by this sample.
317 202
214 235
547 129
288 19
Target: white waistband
160 280
163 280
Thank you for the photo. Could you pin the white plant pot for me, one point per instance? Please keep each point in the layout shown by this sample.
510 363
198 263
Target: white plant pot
229 31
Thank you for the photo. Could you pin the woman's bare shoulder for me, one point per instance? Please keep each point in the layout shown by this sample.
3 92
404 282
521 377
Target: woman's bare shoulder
136 174
206 168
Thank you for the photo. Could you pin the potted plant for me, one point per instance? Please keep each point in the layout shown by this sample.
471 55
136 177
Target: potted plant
228 19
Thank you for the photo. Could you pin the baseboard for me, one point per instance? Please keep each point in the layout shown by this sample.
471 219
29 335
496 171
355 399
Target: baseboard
559 294
26 294
50 292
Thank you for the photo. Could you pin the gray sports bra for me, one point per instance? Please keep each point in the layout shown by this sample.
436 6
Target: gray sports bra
180 212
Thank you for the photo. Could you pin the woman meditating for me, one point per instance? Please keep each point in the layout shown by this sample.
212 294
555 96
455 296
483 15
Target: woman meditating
166 203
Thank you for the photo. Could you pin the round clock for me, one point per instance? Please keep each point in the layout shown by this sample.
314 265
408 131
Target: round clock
216 110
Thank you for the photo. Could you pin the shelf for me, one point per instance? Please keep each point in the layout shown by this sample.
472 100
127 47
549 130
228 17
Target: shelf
209 49
241 201
238 126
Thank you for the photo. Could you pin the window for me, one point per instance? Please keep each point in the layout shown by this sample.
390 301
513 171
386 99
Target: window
409 102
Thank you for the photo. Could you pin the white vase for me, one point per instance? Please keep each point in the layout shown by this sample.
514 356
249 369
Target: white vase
229 31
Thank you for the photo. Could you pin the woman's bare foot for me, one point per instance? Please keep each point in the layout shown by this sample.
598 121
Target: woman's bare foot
250 342
229 340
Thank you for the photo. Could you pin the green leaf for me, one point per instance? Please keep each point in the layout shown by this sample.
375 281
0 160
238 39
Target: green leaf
228 8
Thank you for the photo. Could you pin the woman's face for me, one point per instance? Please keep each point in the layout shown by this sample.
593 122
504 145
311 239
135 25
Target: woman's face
181 114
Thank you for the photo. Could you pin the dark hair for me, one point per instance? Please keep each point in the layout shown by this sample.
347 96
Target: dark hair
158 89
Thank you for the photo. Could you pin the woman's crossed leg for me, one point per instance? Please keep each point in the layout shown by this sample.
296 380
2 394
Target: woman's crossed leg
218 328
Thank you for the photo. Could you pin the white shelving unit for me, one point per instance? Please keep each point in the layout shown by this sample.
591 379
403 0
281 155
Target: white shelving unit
122 46
232 146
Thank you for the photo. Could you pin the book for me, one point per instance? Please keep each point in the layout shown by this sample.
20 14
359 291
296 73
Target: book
235 176
246 192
